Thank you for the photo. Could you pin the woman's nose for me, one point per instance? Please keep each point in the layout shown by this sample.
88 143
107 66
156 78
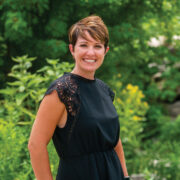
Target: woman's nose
90 51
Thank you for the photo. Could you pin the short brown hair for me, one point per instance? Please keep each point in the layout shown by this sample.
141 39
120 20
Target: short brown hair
94 25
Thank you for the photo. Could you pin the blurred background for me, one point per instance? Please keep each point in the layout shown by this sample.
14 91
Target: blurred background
142 67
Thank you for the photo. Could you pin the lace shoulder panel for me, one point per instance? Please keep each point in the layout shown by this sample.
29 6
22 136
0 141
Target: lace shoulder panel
107 89
68 93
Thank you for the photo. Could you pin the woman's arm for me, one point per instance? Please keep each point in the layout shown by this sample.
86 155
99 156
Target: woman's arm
120 153
49 113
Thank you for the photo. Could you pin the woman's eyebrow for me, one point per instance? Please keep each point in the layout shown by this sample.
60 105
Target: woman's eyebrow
83 41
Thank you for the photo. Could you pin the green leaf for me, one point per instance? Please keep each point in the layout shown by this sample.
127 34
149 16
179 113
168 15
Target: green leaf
21 88
15 83
24 123
27 112
8 91
20 97
52 61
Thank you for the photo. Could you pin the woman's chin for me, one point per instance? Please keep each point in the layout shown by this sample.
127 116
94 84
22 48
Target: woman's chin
91 68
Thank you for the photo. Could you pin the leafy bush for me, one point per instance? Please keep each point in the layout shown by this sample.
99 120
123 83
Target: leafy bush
131 108
159 158
19 106
14 154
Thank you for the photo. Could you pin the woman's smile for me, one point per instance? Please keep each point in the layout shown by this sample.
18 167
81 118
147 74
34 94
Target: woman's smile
90 61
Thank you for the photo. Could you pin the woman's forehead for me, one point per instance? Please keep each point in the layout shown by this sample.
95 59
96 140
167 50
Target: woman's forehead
86 37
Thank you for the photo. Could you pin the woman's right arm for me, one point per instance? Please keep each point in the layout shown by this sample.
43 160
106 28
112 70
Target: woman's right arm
48 116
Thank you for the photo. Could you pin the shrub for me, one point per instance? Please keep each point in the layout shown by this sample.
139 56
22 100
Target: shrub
21 99
131 108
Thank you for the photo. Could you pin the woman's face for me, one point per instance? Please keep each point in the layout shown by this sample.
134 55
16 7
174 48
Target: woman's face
88 54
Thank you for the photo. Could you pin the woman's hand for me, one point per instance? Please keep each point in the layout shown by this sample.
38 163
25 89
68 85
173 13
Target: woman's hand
49 113
127 178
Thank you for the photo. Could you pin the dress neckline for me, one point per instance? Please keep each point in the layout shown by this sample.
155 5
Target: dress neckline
81 77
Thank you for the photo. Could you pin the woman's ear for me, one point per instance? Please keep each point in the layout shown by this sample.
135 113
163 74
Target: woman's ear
71 49
107 49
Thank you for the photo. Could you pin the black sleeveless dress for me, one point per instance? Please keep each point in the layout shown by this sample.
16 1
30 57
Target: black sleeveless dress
86 143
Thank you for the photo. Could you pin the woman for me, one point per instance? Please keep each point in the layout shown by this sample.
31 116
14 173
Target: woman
77 112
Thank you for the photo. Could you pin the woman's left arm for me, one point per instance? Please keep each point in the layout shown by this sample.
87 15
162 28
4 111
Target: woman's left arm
120 153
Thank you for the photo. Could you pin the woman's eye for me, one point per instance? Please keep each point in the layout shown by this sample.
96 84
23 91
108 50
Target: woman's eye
83 45
98 46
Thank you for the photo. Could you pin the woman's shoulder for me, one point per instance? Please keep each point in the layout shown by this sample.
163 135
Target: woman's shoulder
64 81
64 85
102 83
62 78
107 88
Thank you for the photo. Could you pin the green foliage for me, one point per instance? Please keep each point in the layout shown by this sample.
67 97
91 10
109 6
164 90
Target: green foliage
159 157
21 100
3 51
131 109
16 27
3 48
13 156
172 127
56 48
165 163
160 160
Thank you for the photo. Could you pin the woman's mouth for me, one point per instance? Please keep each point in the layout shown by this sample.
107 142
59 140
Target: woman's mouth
89 60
